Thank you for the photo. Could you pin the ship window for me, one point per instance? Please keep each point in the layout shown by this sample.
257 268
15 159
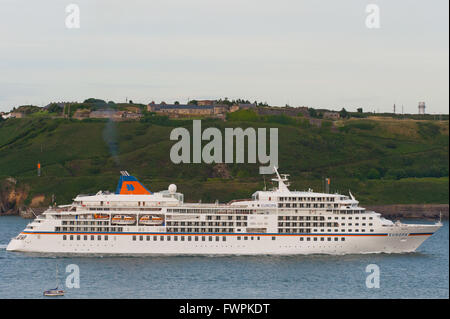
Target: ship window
168 238
196 238
189 238
92 237
322 239
182 238
217 238
329 238
203 238
141 238
239 238
175 238
315 238
224 238
148 238
155 238
71 237
64 237
161 238
106 237
85 237
308 239
343 239
273 238
336 239
210 238
99 237
301 238
134 237
258 237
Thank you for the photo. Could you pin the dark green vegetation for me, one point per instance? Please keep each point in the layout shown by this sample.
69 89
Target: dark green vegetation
382 161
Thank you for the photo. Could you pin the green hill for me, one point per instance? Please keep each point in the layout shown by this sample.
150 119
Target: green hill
381 160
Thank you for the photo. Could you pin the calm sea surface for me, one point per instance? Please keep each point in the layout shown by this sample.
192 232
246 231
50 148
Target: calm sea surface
423 274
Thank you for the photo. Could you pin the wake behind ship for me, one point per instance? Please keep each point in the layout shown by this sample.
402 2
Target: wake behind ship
133 220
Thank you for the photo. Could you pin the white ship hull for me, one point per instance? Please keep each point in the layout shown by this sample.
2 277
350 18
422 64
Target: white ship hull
265 245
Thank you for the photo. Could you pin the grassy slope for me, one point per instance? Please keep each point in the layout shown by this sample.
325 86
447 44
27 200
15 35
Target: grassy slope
76 158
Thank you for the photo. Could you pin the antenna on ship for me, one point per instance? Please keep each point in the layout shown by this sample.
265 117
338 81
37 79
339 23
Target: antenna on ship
282 181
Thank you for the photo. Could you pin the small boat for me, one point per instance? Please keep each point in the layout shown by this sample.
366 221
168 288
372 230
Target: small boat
123 220
56 291
150 220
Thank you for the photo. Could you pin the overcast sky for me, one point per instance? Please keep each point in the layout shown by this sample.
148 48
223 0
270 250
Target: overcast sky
302 53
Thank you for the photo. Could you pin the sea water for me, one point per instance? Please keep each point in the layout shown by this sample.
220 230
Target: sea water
422 274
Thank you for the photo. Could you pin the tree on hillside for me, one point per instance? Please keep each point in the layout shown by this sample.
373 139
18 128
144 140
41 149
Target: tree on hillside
93 100
344 114
54 108
360 110
312 112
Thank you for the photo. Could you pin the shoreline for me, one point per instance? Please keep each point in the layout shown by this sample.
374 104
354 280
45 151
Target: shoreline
412 211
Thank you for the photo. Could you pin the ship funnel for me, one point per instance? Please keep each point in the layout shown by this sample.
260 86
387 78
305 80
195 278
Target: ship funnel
129 185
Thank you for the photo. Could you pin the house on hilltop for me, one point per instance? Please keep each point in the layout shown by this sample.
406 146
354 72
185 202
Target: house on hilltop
331 115
17 115
81 114
205 102
115 115
180 110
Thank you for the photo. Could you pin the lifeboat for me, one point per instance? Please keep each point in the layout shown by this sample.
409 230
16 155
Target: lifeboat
151 220
123 220
101 216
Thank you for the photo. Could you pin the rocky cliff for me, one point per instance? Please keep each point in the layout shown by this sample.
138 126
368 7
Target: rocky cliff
13 199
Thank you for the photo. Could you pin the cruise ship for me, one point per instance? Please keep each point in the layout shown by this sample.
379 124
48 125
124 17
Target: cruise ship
134 221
